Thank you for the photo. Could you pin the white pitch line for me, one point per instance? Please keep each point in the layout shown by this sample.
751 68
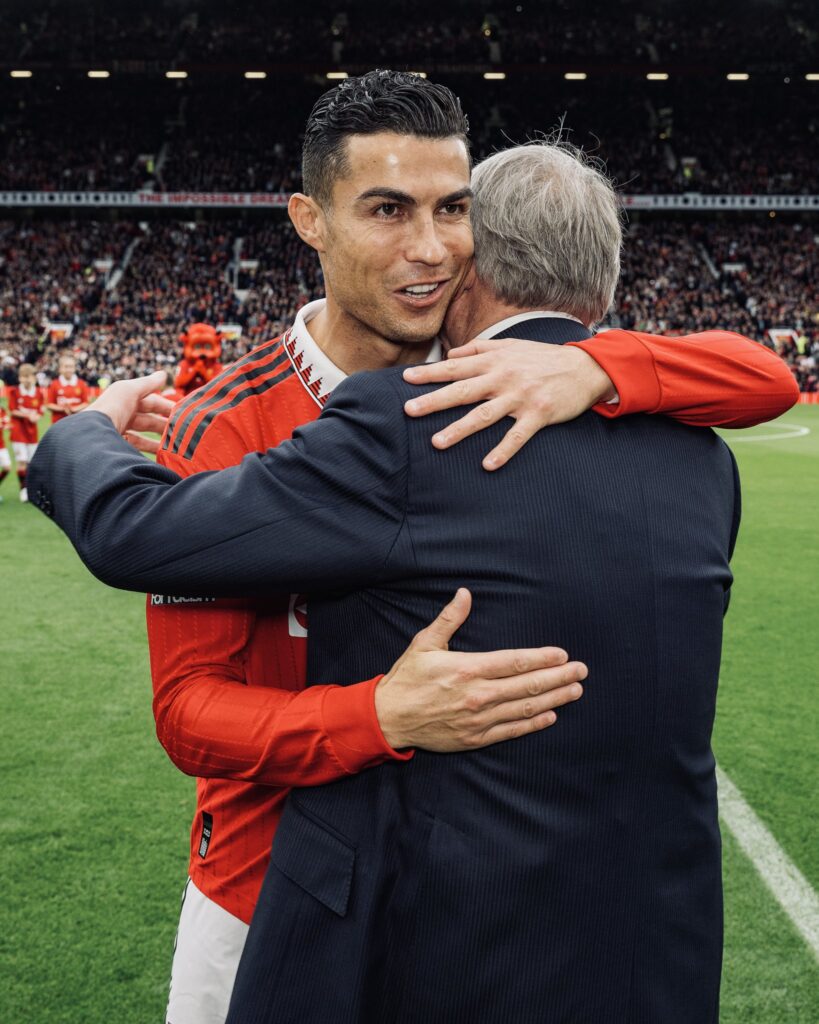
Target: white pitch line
793 431
790 888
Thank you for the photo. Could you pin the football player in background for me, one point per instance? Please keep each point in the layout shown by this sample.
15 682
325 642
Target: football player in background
5 458
66 394
25 409
390 223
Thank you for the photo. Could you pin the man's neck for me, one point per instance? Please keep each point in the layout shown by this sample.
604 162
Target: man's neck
482 312
353 346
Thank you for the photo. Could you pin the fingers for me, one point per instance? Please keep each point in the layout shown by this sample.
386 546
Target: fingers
447 370
541 692
478 346
516 437
514 719
503 664
150 422
157 403
463 392
514 730
149 445
153 382
476 420
142 386
436 636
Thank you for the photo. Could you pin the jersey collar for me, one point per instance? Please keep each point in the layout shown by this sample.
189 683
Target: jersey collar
69 382
318 374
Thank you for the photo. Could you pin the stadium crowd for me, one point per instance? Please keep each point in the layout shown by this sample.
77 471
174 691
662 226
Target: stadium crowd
678 276
503 30
245 136
217 131
127 321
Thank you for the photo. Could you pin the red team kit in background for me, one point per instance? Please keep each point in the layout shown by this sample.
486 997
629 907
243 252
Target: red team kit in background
68 393
24 431
231 700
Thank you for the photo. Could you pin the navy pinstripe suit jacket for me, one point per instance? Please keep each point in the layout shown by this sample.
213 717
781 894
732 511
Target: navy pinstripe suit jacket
569 877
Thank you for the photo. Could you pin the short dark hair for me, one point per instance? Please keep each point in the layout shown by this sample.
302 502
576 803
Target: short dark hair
380 101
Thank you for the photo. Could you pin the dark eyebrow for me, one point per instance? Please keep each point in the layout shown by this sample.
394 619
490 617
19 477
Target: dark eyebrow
391 194
455 197
394 195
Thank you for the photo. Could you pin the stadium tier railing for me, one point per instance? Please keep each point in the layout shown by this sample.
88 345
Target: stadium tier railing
261 200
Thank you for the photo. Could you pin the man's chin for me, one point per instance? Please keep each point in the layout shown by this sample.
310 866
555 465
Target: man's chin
413 335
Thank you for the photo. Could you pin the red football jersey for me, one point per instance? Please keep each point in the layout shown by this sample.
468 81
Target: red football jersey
23 430
66 393
229 676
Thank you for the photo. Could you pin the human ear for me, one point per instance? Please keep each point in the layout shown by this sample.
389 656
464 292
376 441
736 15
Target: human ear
309 220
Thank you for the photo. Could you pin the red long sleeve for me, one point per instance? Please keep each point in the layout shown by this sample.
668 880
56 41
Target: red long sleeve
229 680
713 379
213 725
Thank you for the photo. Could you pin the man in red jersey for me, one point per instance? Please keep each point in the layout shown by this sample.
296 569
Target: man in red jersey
5 458
25 410
66 394
229 676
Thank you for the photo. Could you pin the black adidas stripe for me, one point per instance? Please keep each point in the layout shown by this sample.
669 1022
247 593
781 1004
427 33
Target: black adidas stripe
222 392
252 389
205 393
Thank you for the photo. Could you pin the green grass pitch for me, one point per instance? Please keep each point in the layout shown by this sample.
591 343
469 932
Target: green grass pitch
94 818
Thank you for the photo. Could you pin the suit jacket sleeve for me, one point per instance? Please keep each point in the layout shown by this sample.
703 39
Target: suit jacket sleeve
713 379
323 509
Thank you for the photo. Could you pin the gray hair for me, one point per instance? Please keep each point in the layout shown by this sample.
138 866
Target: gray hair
548 230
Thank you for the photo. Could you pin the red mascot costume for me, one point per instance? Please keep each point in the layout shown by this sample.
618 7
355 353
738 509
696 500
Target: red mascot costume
201 355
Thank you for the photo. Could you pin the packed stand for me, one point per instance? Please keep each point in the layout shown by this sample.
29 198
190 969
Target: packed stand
508 30
63 136
725 139
128 321
53 273
243 136
751 277
239 140
678 277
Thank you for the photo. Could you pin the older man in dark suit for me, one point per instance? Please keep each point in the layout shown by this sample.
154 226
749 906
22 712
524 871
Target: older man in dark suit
575 880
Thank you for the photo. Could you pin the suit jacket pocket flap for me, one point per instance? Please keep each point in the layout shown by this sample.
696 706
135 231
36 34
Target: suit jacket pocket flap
315 859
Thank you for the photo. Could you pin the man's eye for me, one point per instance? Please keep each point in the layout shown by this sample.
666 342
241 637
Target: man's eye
388 209
454 209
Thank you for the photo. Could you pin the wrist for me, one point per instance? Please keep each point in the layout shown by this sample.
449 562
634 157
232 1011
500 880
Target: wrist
386 716
352 724
600 386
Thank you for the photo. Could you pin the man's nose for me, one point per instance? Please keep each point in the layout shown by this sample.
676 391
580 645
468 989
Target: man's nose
425 244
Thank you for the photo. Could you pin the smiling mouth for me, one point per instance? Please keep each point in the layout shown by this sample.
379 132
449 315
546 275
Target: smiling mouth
422 293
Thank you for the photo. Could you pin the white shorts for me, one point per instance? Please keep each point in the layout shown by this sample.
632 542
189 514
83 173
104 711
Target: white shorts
5 459
209 943
23 452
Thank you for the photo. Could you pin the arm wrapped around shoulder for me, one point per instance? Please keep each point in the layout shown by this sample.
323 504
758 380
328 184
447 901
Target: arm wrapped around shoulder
322 509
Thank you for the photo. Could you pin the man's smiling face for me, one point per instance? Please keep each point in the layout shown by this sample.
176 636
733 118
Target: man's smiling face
397 237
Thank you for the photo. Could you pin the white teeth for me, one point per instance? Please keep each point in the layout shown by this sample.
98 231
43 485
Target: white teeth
420 289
